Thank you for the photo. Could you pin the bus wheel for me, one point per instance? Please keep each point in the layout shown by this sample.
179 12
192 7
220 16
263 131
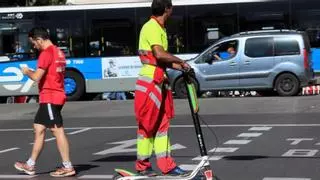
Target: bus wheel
73 85
180 88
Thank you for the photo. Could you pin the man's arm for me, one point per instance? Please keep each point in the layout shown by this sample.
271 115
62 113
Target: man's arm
34 75
175 66
165 57
217 57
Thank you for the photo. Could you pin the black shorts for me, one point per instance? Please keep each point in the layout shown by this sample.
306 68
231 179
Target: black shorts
49 115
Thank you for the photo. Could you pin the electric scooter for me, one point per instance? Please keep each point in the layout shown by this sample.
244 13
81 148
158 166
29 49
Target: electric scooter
203 167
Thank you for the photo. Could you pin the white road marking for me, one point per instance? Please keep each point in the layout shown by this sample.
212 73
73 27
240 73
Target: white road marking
249 134
13 130
296 141
79 131
47 140
226 150
8 150
180 126
16 176
72 133
211 158
50 139
129 146
284 178
238 142
301 153
95 177
260 128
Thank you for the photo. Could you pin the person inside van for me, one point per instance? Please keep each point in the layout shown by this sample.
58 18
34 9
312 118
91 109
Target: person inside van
231 52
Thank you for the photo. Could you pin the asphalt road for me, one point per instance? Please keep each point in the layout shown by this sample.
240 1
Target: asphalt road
254 138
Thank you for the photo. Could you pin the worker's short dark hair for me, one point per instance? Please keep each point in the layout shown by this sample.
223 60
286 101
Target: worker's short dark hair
159 6
39 32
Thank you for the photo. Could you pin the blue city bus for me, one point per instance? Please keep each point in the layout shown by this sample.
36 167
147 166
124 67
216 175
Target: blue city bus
100 41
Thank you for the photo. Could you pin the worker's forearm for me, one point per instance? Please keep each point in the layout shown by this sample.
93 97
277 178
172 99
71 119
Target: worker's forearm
168 58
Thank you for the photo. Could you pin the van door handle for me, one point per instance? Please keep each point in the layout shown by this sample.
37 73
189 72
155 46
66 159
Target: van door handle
233 63
247 62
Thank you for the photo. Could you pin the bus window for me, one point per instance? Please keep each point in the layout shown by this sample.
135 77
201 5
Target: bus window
208 23
14 42
175 27
264 15
66 30
305 16
112 32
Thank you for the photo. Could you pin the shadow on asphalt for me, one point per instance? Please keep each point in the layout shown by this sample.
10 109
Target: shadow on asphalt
245 158
78 167
121 158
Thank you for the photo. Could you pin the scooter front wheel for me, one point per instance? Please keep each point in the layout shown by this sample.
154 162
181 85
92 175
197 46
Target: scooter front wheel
116 176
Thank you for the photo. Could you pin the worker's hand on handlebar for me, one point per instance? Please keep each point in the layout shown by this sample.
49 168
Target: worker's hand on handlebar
185 66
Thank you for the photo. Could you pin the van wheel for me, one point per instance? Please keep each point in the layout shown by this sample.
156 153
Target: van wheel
73 85
287 85
180 88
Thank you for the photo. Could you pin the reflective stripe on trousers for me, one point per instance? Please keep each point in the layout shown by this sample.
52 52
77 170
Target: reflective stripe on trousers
160 144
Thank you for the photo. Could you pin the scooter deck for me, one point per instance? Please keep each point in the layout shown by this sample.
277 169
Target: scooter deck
123 174
127 175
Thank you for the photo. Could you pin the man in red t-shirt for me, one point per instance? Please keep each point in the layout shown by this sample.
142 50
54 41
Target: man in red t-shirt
50 77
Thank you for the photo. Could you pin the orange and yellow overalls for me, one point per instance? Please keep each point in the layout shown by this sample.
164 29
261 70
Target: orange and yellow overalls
153 103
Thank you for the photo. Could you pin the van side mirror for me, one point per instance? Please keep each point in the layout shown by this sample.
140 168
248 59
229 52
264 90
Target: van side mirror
209 58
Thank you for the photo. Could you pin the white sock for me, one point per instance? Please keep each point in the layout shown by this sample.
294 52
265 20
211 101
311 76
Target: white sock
31 162
67 164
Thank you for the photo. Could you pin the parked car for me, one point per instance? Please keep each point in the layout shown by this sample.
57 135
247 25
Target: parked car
269 62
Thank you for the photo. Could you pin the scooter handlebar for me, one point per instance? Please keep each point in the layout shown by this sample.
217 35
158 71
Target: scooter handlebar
189 72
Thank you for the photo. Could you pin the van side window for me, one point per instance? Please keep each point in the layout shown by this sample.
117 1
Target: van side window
284 46
259 47
220 52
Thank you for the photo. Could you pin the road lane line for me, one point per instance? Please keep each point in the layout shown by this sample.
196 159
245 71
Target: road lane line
211 158
180 126
79 131
47 140
260 128
72 133
249 135
13 130
8 150
50 139
16 176
238 142
284 178
224 150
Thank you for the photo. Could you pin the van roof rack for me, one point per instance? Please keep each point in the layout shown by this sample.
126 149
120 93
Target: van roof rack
266 31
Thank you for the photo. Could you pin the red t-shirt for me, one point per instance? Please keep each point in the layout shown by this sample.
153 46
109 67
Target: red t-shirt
51 85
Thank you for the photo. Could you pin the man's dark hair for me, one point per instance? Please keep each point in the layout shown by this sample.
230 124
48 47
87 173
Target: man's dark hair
39 32
159 6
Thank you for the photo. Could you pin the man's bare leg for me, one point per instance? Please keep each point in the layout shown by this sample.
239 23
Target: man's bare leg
29 166
39 135
63 147
62 142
